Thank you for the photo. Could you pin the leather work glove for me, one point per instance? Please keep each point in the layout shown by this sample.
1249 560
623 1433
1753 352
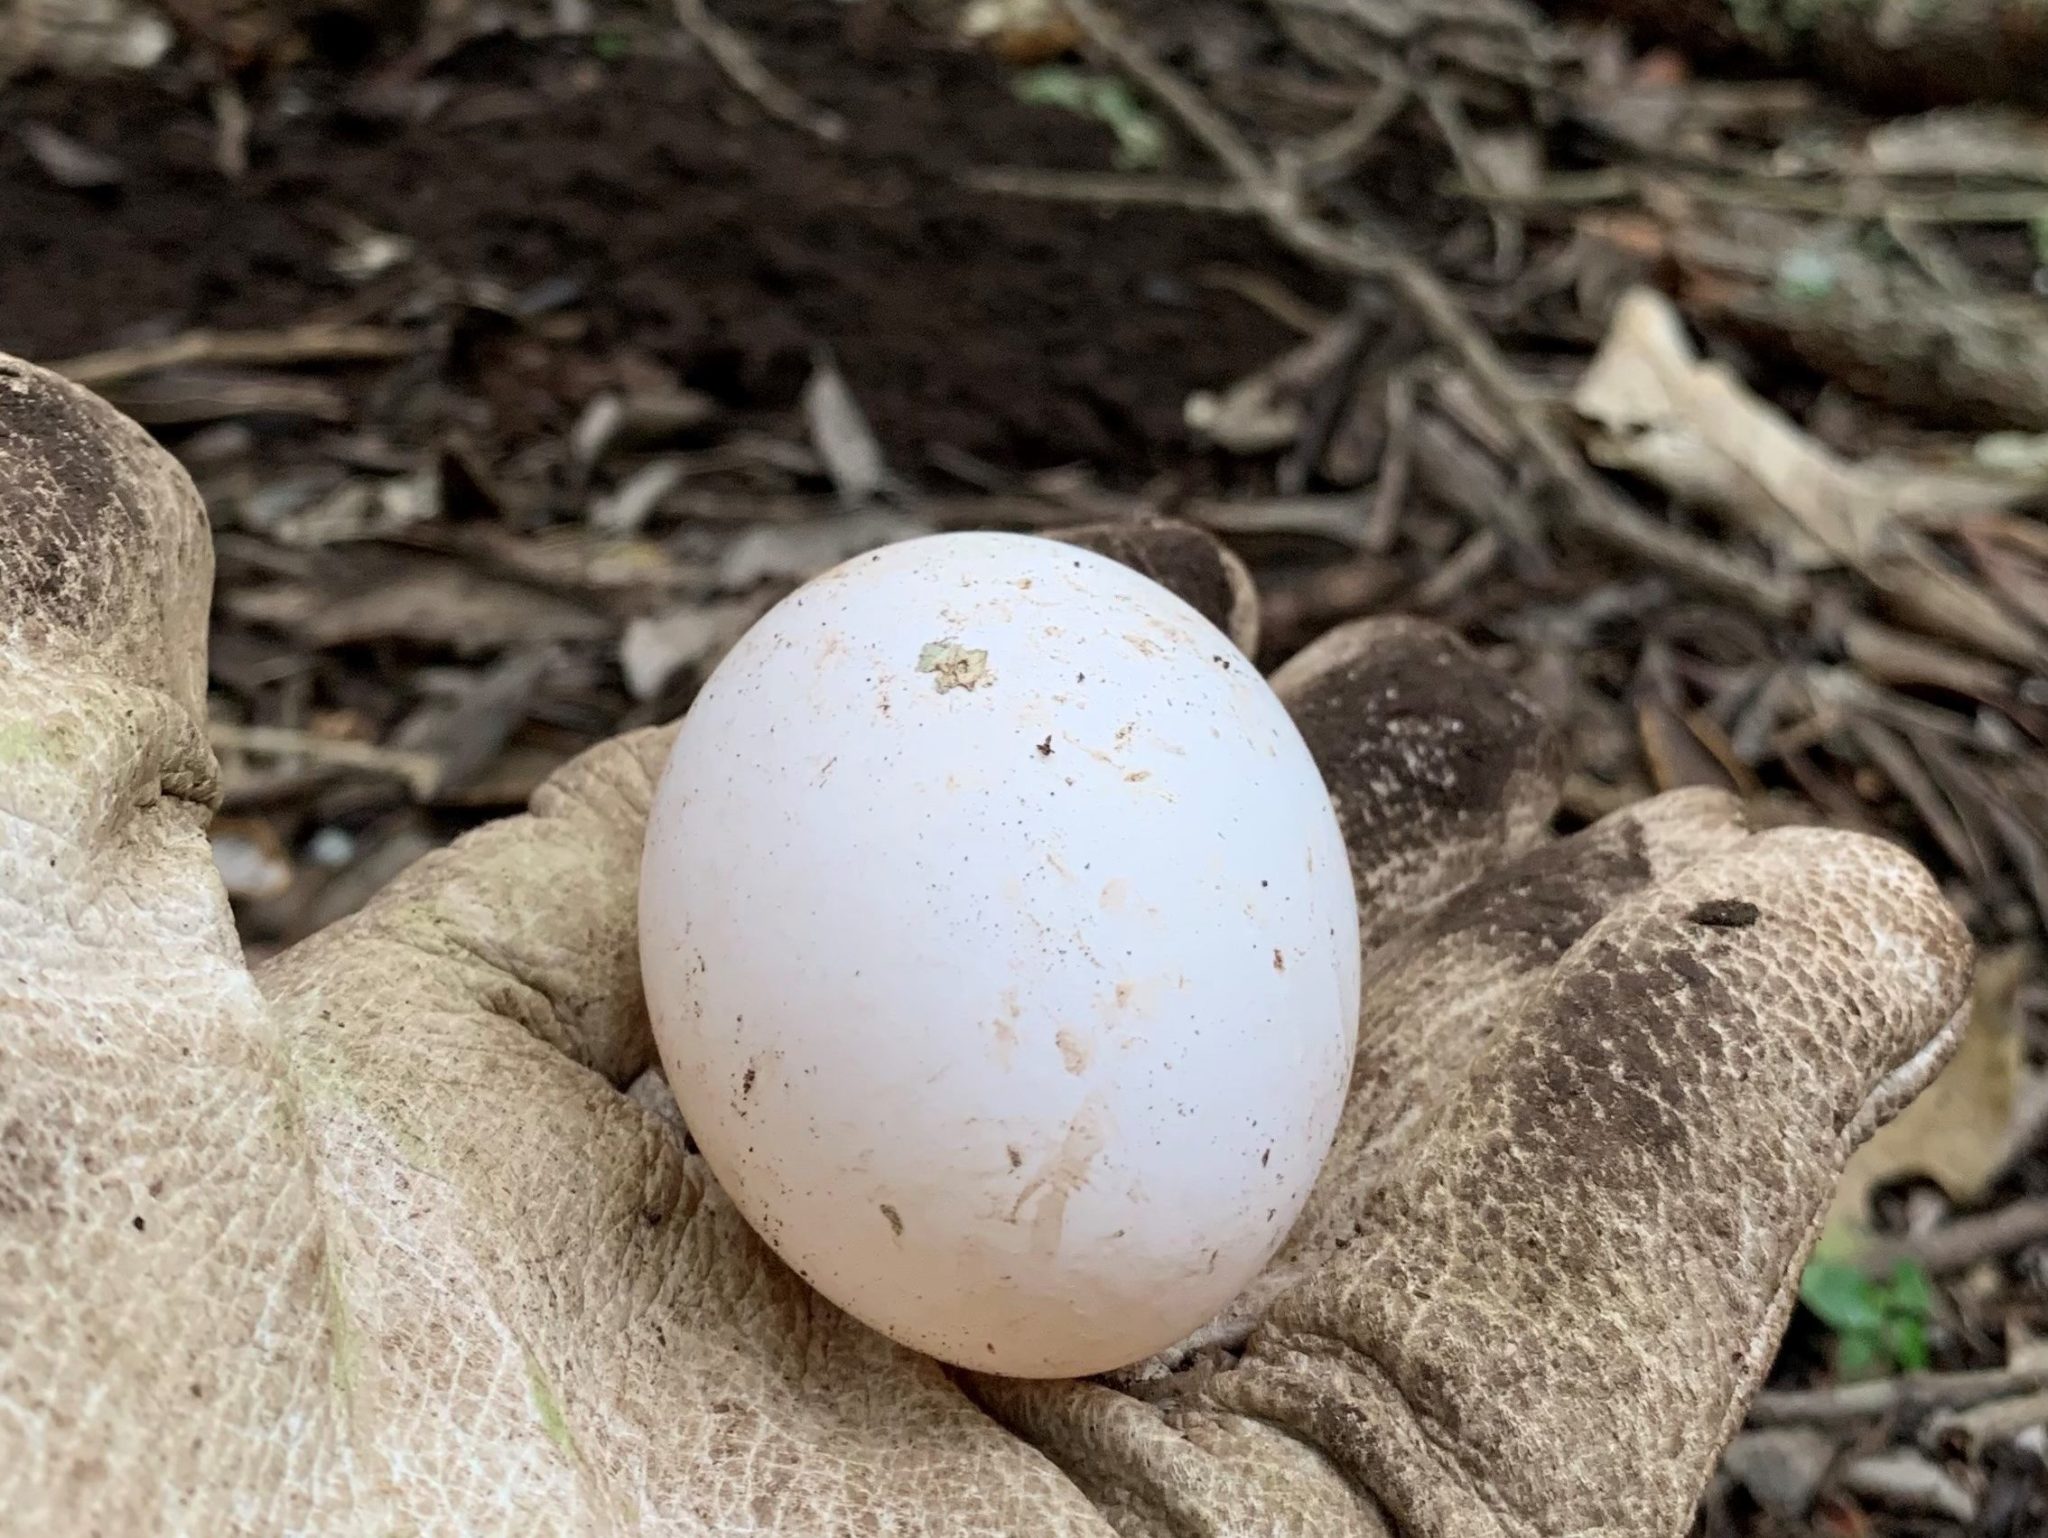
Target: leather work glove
399 1233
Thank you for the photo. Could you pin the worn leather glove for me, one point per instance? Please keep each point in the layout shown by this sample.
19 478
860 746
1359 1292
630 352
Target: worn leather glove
399 1233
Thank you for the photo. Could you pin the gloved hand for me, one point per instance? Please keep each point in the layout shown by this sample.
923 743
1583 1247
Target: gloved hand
399 1233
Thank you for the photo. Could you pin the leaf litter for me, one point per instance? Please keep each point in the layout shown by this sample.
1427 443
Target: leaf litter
523 363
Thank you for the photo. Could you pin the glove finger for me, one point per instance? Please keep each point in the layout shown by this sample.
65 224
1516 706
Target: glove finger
105 566
1157 1470
110 908
1189 562
1439 769
154 1211
1439 990
531 919
106 559
559 1234
1559 1305
1435 994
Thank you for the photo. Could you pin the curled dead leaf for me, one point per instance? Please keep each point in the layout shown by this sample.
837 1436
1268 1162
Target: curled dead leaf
1957 1133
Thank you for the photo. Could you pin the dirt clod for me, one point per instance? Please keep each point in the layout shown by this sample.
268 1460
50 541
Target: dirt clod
1725 913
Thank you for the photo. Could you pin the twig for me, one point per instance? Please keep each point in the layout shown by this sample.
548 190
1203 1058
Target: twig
231 123
1108 187
732 53
1866 1401
1194 110
1596 509
1458 472
1612 184
210 396
421 772
1334 397
1958 1245
1390 495
1458 571
1969 1432
1338 519
1448 114
1896 762
1265 292
1332 155
1941 266
1897 657
317 342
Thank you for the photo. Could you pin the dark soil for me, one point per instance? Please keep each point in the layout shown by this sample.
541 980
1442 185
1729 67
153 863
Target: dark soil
671 219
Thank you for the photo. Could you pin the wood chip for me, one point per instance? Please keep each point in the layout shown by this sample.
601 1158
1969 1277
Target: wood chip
67 162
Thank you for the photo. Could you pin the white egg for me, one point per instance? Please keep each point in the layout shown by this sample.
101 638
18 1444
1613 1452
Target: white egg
1002 952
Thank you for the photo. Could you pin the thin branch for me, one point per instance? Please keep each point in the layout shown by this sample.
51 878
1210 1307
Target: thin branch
1333 155
1390 496
421 772
1110 188
1592 504
1265 292
731 52
1195 112
1598 509
1855 200
1445 110
1867 1401
1958 1245
317 342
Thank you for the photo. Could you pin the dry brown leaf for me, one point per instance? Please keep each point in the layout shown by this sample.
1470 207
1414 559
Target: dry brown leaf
1896 760
796 552
1680 754
66 161
426 603
2012 553
840 433
84 37
1265 411
653 650
626 509
1962 141
1958 1132
1637 235
465 728
1019 31
1690 425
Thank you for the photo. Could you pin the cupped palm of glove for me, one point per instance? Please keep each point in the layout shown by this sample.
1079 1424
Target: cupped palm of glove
401 1233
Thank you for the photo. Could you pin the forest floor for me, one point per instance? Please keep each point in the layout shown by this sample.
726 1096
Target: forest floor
524 358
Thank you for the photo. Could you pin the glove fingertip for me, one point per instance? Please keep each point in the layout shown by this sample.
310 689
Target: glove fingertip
1438 766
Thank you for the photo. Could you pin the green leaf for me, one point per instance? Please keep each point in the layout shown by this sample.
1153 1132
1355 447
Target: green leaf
1909 1291
1905 1342
2039 230
611 46
1860 1354
1140 138
1056 85
1842 1297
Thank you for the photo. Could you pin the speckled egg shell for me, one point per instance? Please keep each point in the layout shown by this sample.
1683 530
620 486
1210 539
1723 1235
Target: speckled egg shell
1002 951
